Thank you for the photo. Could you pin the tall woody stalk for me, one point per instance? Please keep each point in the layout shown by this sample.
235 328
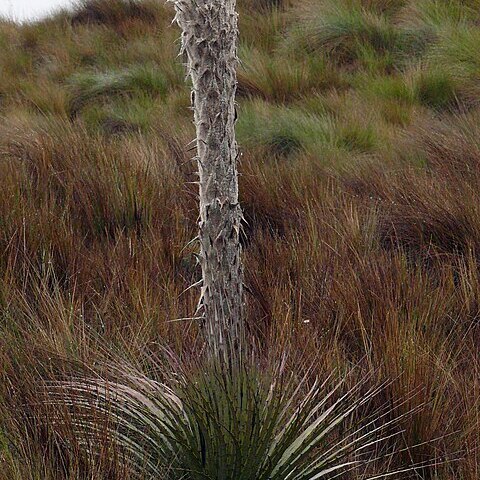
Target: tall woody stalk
209 40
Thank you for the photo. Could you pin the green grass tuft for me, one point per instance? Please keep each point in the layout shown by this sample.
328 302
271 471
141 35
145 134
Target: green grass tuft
284 130
435 89
352 34
134 81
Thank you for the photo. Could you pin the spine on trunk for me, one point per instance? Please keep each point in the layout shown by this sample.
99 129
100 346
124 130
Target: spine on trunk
209 40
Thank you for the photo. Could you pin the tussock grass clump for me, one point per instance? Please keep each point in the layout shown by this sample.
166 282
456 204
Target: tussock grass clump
457 55
114 12
135 80
433 15
288 130
356 137
123 116
436 89
351 35
261 30
393 88
284 130
280 79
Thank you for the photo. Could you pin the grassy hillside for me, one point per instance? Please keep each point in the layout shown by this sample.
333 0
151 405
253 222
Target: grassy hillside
359 126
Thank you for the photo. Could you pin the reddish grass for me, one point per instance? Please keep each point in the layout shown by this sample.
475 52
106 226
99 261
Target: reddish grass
380 272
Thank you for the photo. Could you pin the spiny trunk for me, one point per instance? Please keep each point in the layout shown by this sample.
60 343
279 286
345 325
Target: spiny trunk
209 40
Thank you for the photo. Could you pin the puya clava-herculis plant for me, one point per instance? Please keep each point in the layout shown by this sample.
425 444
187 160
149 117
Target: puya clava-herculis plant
226 418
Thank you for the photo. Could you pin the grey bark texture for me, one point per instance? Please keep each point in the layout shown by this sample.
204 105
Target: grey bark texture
209 40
